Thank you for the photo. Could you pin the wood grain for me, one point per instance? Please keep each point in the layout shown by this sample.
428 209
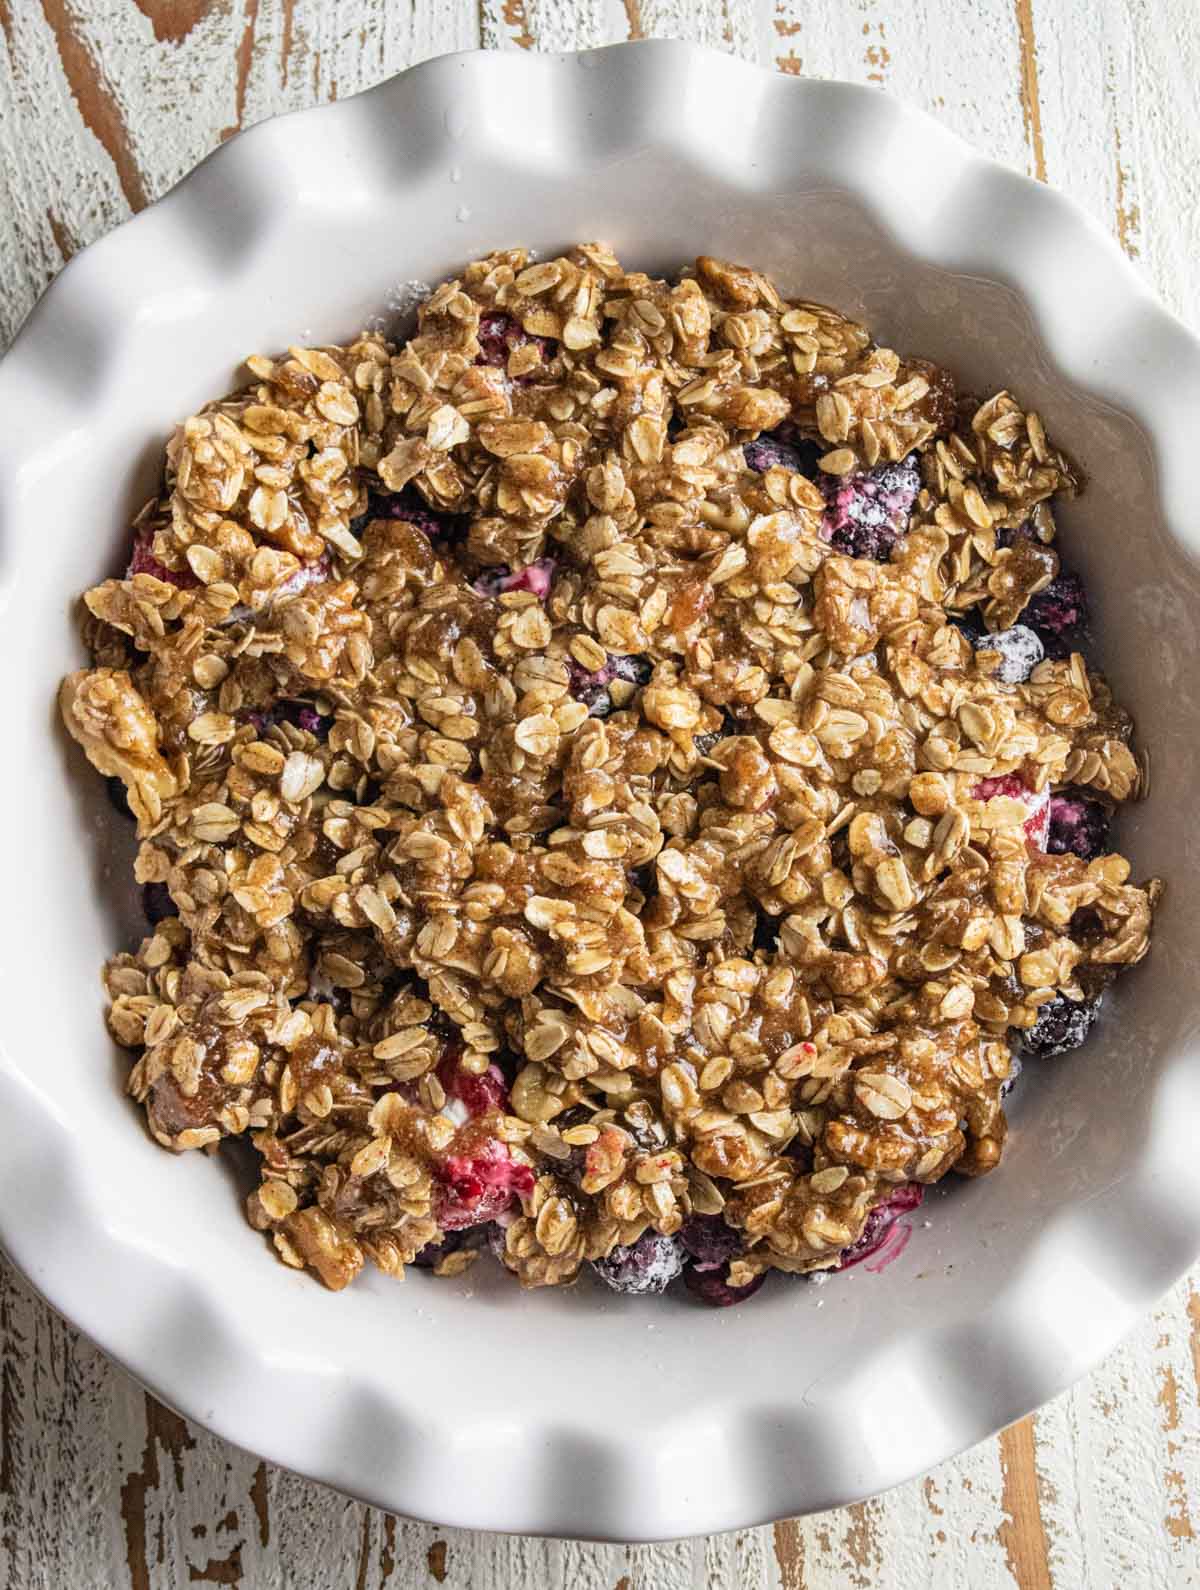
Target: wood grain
105 103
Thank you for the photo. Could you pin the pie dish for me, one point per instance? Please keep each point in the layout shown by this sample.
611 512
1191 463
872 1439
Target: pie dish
546 1413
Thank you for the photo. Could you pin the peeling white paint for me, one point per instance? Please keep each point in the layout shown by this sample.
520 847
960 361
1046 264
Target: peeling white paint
105 102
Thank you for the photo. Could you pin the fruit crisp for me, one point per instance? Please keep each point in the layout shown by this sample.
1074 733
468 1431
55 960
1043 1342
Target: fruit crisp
617 778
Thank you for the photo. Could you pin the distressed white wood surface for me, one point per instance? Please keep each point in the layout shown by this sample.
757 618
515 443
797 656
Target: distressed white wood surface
103 104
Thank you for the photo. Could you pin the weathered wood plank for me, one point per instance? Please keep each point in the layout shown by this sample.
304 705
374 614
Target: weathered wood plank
103 106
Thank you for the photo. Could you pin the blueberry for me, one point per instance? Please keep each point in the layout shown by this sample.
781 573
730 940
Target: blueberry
712 1287
1062 1025
648 1265
1077 826
867 512
710 1242
1019 650
157 903
1059 614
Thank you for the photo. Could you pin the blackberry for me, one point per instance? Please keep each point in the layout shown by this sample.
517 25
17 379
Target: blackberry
1059 614
1062 1025
1077 826
868 512
783 447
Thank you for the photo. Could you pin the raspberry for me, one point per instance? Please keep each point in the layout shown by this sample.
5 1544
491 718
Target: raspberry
1019 650
1038 806
143 561
157 903
868 512
478 1093
1059 614
712 1286
880 1221
410 506
648 1265
710 1242
783 447
535 577
1062 1025
1077 826
477 1186
499 334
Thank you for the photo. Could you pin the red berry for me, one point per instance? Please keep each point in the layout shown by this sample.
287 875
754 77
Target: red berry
479 1185
1037 824
143 561
479 1093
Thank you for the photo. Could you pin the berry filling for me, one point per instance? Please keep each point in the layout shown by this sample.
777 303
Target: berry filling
479 1093
478 1186
712 1286
648 1265
1077 826
499 334
868 512
1013 788
782 447
709 1242
409 505
300 714
1060 615
1062 1025
1019 651
452 1242
881 1228
535 577
592 688
143 561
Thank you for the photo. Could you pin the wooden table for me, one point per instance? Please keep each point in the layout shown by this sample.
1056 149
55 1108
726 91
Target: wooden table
103 104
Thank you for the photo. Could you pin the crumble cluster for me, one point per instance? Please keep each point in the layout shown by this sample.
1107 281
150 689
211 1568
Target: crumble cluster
616 779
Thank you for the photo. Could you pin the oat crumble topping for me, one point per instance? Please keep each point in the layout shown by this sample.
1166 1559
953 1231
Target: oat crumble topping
617 780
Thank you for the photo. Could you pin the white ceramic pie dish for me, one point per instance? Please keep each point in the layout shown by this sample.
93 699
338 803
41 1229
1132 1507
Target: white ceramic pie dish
575 1412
